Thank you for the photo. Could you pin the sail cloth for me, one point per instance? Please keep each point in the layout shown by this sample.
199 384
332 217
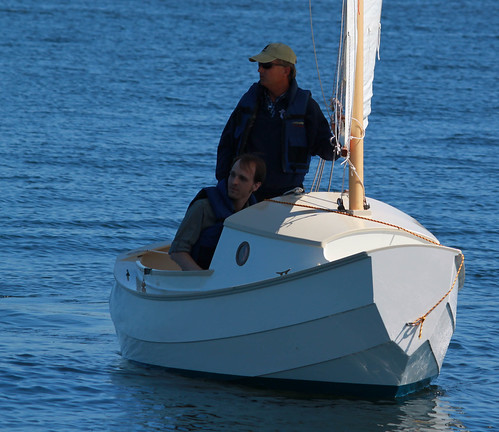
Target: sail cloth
347 59
372 33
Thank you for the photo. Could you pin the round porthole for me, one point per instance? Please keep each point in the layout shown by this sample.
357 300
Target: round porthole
242 253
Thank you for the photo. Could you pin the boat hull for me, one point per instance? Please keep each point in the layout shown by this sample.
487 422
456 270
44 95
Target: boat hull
339 327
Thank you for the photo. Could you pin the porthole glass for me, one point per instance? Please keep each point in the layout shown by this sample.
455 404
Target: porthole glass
242 253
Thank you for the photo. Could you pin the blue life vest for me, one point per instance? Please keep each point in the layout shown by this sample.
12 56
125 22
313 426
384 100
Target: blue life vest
203 250
295 154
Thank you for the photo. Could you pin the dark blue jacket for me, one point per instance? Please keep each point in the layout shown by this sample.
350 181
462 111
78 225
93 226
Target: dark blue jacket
295 157
286 141
203 250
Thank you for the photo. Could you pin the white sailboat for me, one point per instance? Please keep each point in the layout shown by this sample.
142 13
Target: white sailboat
300 294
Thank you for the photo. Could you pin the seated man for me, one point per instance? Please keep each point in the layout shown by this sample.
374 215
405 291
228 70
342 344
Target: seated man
199 232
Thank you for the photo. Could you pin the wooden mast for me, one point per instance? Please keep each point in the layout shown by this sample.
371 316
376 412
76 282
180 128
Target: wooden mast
356 180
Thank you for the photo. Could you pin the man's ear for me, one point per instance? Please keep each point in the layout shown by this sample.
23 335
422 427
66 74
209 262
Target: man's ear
256 186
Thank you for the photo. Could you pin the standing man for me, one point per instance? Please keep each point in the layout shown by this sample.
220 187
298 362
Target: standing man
198 234
278 121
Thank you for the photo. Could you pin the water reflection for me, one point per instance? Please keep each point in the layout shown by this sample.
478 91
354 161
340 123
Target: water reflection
153 399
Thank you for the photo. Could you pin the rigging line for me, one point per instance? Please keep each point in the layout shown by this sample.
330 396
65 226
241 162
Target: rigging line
361 127
420 321
329 210
315 55
330 177
318 172
318 177
354 170
351 166
321 172
315 179
345 164
314 182
337 94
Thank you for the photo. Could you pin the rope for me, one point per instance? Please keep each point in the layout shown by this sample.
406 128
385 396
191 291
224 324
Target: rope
315 54
421 319
315 186
358 217
320 169
362 130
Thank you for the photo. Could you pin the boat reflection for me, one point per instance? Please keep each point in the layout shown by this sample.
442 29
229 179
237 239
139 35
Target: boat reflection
158 400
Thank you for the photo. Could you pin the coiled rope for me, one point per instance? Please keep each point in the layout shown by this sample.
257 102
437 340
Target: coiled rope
420 321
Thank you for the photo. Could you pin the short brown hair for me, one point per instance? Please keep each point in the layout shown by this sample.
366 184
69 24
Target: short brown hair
247 159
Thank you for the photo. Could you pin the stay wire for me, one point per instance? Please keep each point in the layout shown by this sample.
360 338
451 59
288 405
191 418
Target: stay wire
320 168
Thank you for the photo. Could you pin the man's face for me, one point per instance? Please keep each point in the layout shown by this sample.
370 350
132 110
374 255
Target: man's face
273 74
241 181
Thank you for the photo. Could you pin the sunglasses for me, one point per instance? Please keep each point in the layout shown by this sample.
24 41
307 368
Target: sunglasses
268 65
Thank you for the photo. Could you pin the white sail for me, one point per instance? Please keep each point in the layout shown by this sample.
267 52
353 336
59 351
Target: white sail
347 61
372 32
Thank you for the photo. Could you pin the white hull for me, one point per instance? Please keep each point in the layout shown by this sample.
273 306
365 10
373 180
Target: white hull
326 326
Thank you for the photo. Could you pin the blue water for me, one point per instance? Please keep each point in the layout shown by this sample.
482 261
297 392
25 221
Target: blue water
110 115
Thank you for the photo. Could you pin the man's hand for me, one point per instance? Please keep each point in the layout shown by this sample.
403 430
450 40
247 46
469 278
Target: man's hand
185 261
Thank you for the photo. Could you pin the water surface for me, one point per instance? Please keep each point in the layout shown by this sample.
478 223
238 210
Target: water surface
110 117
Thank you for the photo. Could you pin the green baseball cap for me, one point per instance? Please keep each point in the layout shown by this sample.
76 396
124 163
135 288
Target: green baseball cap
273 52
